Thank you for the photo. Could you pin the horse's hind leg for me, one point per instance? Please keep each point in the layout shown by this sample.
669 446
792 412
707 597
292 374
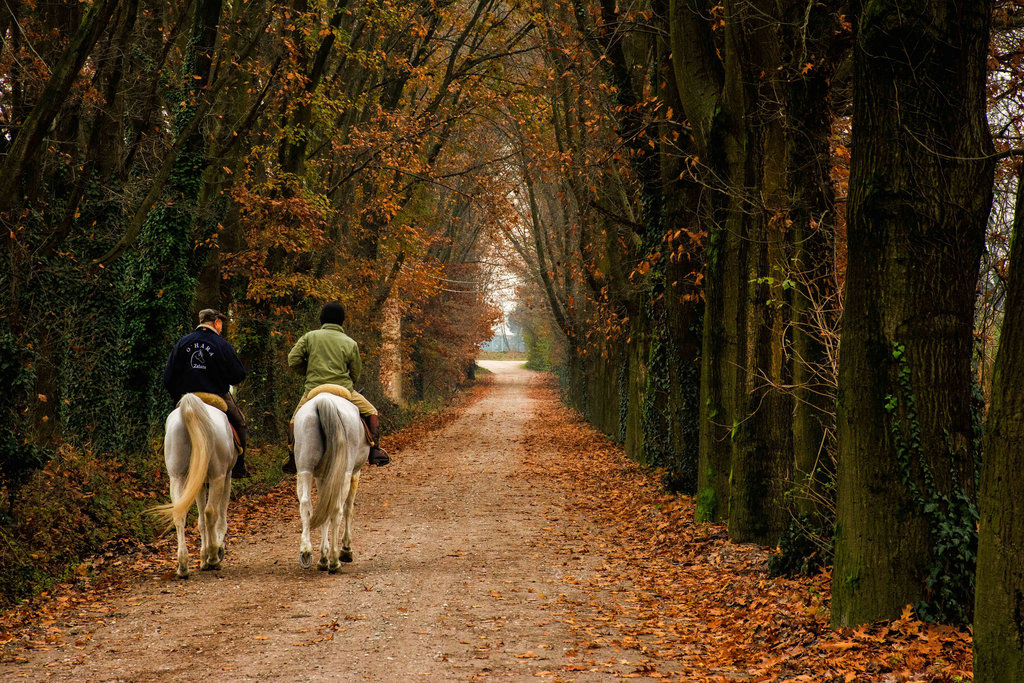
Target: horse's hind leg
325 547
337 523
346 540
325 535
332 557
220 493
177 485
303 489
209 509
202 523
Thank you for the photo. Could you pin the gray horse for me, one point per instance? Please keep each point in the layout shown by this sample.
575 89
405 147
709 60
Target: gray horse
330 444
199 451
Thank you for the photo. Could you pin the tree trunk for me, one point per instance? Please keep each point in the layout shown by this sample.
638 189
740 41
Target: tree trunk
811 39
762 438
700 76
677 345
920 193
637 367
999 604
762 447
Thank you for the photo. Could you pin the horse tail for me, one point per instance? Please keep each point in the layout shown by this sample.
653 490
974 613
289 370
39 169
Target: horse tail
201 435
336 456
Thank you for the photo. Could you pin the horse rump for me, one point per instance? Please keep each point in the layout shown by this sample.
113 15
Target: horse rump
202 435
333 466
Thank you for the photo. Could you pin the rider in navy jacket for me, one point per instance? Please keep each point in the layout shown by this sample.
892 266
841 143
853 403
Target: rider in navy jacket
205 361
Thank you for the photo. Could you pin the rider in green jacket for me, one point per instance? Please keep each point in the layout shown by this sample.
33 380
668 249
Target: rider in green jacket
329 356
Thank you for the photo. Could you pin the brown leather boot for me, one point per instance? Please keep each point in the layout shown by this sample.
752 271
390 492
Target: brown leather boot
289 467
378 456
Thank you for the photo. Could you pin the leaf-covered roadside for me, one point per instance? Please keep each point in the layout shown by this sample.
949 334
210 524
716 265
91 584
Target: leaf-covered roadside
695 606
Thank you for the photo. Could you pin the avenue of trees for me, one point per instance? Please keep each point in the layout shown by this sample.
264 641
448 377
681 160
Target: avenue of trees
774 241
769 244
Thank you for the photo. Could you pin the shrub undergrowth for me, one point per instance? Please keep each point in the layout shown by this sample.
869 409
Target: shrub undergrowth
66 511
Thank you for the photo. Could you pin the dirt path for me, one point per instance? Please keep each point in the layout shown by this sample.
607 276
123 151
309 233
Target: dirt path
461 570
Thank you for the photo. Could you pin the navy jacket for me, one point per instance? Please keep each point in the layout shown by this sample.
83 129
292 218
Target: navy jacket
202 361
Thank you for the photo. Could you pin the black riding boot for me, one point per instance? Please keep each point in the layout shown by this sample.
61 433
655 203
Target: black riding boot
289 467
237 420
240 471
377 456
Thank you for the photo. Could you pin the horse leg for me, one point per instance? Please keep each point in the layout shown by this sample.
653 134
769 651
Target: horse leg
325 531
204 529
332 558
337 523
324 563
303 489
217 519
208 511
346 541
177 486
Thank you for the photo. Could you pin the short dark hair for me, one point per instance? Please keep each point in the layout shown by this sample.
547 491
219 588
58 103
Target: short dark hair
208 315
332 312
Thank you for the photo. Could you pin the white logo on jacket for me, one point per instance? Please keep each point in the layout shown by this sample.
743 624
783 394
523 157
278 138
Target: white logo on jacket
197 354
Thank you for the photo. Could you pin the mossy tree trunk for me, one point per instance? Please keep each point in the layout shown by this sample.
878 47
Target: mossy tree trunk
725 94
637 359
783 404
920 194
676 351
700 76
762 443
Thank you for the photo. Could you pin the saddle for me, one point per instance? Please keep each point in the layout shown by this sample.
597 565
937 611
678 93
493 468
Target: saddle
341 392
215 401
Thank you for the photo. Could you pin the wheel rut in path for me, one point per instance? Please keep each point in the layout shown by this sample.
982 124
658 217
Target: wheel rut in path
460 573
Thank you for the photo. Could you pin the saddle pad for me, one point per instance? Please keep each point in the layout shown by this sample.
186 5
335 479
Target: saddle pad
335 389
212 400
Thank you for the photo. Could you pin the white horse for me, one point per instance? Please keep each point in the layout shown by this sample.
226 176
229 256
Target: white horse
199 451
330 444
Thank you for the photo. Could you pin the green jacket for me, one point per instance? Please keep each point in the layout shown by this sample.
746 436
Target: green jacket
327 356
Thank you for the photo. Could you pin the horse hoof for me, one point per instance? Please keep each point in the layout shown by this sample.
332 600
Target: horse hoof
345 556
334 569
305 560
212 567
322 564
182 576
